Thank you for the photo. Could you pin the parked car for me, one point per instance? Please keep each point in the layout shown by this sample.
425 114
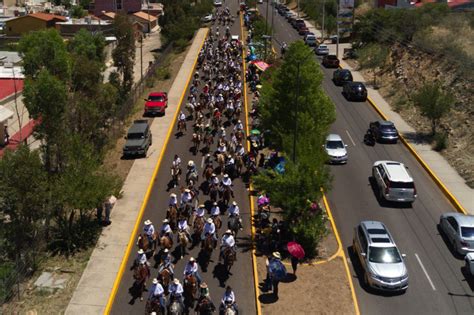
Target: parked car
393 181
384 267
459 230
303 30
336 149
355 91
288 14
139 139
259 1
310 39
207 18
341 76
322 50
298 22
333 39
292 19
330 61
156 103
384 131
217 3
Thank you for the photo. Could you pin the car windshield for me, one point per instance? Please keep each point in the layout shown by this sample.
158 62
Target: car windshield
134 136
332 57
384 255
387 127
405 185
334 145
156 98
467 232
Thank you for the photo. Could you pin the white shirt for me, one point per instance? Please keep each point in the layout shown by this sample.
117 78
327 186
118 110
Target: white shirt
141 258
214 180
149 229
239 126
228 240
182 225
226 181
222 148
176 289
158 290
234 210
166 228
215 210
177 161
182 116
200 212
240 151
173 201
190 268
209 228
228 297
230 161
186 197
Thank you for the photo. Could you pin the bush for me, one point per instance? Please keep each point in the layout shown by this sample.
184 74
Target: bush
181 44
163 73
309 231
440 141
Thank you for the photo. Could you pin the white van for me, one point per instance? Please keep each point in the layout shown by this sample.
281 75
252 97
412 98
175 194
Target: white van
311 40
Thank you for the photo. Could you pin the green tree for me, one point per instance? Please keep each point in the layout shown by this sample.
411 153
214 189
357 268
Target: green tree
23 198
433 102
87 44
45 50
124 53
78 12
373 56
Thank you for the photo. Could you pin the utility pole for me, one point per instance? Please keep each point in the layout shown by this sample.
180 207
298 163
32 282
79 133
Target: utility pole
337 30
322 31
295 133
273 14
141 58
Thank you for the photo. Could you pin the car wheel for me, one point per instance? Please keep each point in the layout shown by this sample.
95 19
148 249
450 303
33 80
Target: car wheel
381 196
366 280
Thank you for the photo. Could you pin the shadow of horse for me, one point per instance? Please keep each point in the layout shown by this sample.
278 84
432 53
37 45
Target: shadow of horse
204 259
221 274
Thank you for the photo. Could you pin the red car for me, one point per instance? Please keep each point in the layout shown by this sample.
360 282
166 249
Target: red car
156 103
330 61
303 30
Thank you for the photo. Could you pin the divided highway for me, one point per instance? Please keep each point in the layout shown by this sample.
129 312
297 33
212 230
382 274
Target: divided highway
437 283
241 274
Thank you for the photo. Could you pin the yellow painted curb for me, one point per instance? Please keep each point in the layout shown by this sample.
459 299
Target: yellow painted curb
430 172
344 257
252 207
131 242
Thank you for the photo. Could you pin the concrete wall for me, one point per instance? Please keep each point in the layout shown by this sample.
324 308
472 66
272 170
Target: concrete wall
114 6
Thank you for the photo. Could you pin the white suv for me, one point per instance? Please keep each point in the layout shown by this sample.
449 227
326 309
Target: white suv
394 183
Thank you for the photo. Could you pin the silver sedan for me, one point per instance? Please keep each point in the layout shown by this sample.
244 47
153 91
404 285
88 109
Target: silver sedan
459 230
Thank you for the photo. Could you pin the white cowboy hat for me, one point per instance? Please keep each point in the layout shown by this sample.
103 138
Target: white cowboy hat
276 255
226 175
173 195
222 144
140 251
187 190
191 163
239 121
192 259
255 145
166 250
234 203
222 128
228 232
209 220
215 203
213 175
165 221
201 206
147 222
176 281
155 281
194 135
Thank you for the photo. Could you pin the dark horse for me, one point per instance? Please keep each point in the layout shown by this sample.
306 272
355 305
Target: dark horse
190 290
233 224
140 274
229 258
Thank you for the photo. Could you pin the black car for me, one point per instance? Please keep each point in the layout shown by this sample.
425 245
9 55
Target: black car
384 131
139 139
330 61
298 22
355 91
341 76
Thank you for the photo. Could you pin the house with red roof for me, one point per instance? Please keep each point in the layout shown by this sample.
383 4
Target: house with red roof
31 22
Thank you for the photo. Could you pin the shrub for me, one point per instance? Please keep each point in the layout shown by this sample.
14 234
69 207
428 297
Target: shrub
309 231
440 141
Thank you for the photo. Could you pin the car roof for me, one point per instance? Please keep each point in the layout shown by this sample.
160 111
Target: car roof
396 171
462 219
343 70
378 234
138 126
386 123
355 83
157 94
323 46
333 137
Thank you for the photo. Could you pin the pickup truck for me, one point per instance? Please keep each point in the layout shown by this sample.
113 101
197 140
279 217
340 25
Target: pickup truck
138 139
156 103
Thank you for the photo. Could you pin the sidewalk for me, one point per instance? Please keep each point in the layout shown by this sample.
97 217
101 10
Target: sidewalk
445 172
97 281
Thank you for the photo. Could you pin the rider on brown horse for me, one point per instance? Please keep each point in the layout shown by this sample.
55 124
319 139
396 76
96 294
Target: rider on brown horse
176 292
227 242
166 263
184 227
191 268
166 230
209 229
149 230
234 210
157 294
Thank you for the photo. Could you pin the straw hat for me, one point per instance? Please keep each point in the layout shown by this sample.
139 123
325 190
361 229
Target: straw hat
140 251
147 222
155 281
276 255
209 220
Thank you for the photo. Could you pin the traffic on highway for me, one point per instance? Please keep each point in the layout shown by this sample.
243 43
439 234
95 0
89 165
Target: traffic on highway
404 242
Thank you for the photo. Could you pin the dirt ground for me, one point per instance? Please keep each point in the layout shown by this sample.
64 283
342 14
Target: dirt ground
34 301
320 287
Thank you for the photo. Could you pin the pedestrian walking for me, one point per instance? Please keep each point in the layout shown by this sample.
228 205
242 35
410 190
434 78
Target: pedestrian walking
294 264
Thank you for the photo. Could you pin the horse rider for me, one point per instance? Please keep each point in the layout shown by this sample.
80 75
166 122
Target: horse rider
181 117
191 268
184 227
176 292
209 229
173 201
226 183
200 211
166 230
176 161
214 180
186 197
141 258
234 211
221 134
157 293
166 263
208 159
191 167
149 230
222 149
215 210
230 164
229 300
239 125
227 241
239 150
204 304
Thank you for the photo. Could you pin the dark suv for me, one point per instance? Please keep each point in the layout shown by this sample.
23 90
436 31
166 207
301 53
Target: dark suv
330 61
355 91
384 130
138 138
341 76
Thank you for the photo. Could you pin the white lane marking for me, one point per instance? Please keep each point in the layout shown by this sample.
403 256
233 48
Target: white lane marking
426 273
352 140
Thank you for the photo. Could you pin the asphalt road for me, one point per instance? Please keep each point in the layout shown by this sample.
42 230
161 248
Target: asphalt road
241 275
437 284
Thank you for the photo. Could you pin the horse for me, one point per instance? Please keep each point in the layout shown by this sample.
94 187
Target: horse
182 126
217 221
196 142
208 140
208 172
213 192
153 305
165 278
198 227
175 308
183 242
185 211
190 289
229 258
239 134
226 194
166 242
221 161
191 176
239 163
233 224
144 243
175 172
140 273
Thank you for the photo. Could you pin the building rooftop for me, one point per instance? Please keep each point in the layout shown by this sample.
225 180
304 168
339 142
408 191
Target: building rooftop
84 22
7 87
145 16
47 17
